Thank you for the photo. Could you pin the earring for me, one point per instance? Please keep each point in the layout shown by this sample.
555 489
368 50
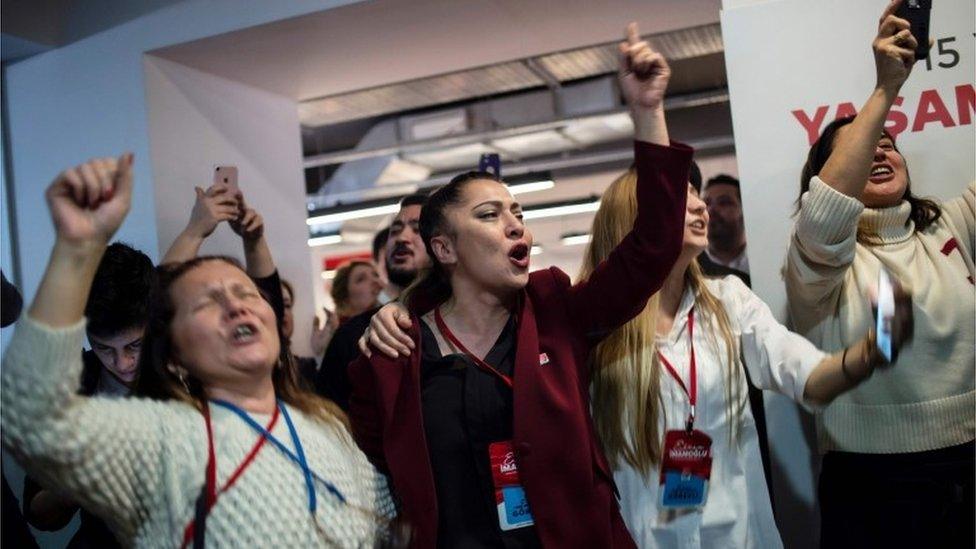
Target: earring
182 377
180 374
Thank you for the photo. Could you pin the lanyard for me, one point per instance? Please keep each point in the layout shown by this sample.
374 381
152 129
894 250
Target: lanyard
693 393
298 458
210 488
446 332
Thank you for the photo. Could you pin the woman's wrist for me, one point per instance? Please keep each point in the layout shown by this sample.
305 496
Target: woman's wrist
649 124
78 252
886 92
859 361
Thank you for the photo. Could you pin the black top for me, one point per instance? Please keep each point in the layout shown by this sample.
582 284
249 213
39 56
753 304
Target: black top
710 268
332 379
465 409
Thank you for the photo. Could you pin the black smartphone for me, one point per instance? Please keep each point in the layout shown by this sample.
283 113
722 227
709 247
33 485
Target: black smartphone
916 12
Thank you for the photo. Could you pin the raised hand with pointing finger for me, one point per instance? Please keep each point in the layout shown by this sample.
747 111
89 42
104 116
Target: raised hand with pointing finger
644 73
644 76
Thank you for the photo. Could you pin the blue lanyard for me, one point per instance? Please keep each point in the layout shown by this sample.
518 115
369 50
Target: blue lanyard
298 459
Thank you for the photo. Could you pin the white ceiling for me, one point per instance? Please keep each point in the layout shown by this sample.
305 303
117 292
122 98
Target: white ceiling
376 43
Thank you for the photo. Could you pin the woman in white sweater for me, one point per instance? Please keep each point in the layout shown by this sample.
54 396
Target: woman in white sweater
231 454
690 345
898 464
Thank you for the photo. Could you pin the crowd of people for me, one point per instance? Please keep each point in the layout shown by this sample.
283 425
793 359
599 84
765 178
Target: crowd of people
463 400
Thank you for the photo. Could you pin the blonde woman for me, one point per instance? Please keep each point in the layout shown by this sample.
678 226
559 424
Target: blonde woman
643 387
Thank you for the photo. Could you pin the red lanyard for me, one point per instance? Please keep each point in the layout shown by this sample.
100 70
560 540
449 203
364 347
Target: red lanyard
211 485
693 393
446 332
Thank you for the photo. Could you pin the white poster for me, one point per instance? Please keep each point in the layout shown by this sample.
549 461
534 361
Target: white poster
793 66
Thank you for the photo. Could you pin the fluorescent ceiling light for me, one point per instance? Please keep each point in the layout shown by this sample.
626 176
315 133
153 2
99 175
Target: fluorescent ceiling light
328 275
536 250
531 187
576 239
354 214
534 144
565 209
324 240
451 158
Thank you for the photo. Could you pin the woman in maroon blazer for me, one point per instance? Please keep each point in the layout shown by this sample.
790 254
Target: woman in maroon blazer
484 427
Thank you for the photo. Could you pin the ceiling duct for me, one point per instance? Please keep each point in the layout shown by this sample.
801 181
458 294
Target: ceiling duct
501 78
552 126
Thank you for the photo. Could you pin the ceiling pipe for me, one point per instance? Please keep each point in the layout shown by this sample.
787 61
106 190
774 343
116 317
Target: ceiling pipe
622 155
678 102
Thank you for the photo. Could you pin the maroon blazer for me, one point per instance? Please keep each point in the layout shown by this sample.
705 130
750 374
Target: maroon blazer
566 477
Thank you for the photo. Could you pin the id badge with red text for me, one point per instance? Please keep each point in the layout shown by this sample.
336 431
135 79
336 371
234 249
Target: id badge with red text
685 469
513 507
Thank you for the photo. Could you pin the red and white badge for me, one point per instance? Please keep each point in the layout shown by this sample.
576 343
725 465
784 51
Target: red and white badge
513 507
686 468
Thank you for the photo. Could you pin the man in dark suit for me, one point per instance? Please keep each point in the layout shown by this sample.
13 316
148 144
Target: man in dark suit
405 256
708 266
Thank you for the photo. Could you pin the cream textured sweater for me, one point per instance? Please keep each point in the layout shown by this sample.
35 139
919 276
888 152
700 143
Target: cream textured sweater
926 399
140 463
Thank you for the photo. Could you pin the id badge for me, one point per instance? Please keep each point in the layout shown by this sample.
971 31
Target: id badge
513 507
685 469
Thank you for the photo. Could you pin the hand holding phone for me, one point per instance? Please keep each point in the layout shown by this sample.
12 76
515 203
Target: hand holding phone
226 175
917 13
894 319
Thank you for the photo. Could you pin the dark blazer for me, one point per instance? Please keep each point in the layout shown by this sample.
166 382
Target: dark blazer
332 380
566 476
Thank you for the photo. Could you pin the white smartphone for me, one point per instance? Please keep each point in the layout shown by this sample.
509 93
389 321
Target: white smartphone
886 314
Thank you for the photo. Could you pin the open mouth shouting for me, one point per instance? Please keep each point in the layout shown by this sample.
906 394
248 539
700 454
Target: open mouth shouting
519 255
881 173
244 333
401 253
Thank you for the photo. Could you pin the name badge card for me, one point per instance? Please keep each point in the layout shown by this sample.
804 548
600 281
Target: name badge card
685 469
513 507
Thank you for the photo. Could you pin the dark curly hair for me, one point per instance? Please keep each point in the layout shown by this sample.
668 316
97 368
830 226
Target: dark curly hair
924 211
120 293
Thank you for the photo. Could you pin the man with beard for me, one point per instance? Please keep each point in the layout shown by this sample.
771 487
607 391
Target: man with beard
405 256
726 252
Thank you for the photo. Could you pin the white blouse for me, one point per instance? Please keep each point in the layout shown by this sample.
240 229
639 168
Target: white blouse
737 512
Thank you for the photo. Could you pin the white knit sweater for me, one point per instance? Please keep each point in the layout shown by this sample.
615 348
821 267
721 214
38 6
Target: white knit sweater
926 399
140 463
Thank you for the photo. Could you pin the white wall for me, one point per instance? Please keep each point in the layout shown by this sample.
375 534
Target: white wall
197 121
89 99
788 55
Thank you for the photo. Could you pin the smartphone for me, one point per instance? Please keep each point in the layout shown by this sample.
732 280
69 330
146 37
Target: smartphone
886 315
228 176
916 12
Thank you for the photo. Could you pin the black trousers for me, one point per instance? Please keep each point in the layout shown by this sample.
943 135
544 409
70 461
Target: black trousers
922 499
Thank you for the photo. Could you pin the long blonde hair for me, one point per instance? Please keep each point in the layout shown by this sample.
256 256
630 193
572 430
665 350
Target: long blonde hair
626 371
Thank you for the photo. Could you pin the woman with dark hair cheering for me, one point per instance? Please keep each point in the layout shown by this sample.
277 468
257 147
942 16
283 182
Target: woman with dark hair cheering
229 451
898 464
484 427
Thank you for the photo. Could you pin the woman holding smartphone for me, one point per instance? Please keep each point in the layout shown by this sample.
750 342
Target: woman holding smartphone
898 464
678 366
